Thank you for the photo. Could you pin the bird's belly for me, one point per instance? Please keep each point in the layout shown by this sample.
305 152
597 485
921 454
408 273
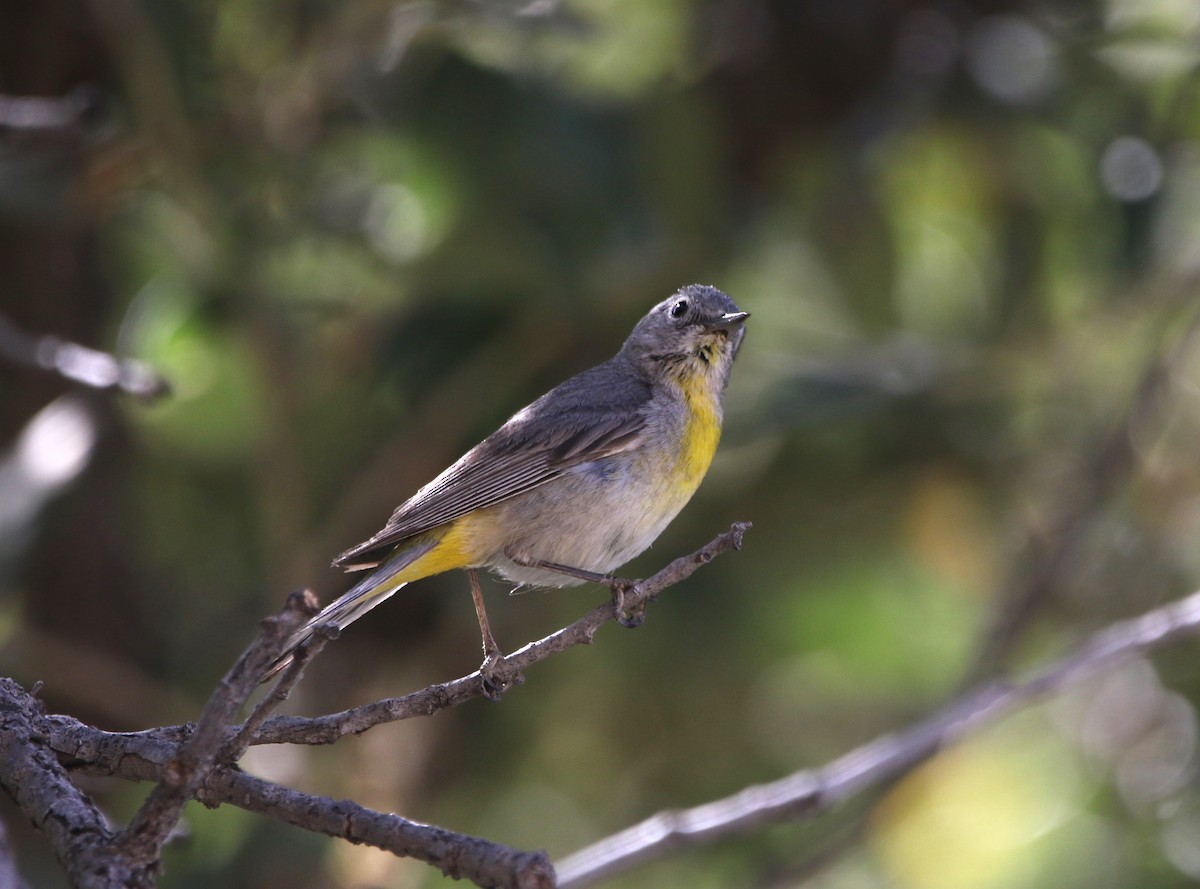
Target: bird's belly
596 517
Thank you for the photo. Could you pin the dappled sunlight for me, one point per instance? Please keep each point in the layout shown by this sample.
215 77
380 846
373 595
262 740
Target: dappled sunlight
978 816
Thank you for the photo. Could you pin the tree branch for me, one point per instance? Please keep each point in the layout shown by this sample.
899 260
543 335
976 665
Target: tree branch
143 756
457 855
197 761
77 363
328 729
37 114
26 734
806 794
36 781
142 839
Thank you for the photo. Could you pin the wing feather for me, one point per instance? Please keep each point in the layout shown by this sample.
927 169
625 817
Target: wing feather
592 419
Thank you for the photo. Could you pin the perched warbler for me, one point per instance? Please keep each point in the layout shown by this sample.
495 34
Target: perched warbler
572 486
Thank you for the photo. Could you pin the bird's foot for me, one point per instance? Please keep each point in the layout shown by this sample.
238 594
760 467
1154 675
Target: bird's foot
494 677
633 616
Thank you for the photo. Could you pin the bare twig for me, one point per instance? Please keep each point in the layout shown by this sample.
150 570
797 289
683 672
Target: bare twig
801 796
190 762
44 113
806 794
139 843
237 745
457 855
140 756
195 761
328 729
93 368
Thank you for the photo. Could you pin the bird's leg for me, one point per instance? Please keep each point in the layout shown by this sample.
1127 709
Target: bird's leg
493 686
618 586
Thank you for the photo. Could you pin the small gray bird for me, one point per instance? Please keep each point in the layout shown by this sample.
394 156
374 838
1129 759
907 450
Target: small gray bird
574 485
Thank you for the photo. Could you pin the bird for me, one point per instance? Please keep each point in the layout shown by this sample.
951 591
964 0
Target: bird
572 486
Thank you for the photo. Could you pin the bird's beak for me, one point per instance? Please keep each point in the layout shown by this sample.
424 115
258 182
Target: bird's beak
727 322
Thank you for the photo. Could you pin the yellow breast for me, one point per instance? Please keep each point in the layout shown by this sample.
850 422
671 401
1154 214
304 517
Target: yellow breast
702 432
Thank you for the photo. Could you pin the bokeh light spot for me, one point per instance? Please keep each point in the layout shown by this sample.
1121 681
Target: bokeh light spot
1130 169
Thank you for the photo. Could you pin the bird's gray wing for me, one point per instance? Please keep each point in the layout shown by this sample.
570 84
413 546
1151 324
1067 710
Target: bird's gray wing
510 461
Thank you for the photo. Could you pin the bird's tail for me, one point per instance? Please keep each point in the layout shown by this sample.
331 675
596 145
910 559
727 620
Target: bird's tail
372 590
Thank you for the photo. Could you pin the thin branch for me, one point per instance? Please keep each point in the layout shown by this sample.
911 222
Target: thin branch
38 114
328 729
192 762
806 794
141 756
801 796
80 364
236 747
142 839
460 856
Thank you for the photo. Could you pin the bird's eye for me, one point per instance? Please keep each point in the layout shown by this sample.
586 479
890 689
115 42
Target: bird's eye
678 310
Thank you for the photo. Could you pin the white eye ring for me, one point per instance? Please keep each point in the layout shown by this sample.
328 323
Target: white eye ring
678 310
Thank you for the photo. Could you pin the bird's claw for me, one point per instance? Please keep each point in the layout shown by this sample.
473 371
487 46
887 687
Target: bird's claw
492 678
633 618
629 618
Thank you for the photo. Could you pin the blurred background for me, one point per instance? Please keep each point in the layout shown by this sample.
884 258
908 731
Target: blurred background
355 237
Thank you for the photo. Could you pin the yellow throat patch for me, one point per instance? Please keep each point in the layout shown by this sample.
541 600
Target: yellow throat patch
703 430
